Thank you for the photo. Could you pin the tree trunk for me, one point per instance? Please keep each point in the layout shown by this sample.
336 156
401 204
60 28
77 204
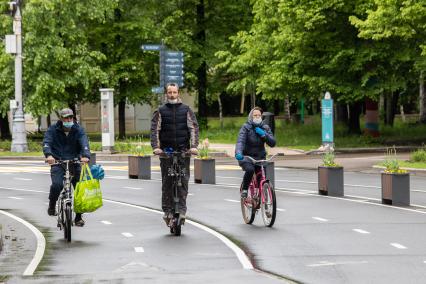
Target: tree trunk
371 118
422 98
219 100
200 38
4 127
391 103
353 122
243 101
277 107
253 99
342 112
287 114
48 120
122 118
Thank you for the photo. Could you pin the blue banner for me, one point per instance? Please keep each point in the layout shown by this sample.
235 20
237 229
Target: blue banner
327 120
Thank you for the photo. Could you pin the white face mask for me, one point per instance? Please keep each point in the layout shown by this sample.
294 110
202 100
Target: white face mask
257 120
172 101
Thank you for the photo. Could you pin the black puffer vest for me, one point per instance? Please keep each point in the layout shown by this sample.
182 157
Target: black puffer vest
174 126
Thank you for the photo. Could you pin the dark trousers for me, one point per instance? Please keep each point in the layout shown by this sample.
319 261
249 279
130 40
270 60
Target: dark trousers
167 190
249 169
57 173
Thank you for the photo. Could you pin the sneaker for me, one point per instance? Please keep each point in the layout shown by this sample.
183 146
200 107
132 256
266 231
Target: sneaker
182 218
167 217
78 221
244 193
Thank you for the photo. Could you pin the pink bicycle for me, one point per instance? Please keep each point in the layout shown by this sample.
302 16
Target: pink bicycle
261 195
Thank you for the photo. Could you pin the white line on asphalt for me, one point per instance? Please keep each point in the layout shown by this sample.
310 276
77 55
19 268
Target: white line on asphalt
22 178
360 231
27 190
280 209
232 200
41 244
136 188
116 177
139 249
13 197
127 235
190 194
320 219
398 246
242 257
424 261
106 222
328 263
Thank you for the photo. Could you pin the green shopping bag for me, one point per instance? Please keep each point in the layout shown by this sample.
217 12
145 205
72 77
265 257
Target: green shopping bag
87 194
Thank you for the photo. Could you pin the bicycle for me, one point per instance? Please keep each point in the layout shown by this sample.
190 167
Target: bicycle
64 204
261 194
177 172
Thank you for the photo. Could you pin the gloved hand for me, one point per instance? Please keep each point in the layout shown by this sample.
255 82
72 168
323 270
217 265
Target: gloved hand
259 131
239 156
193 151
157 151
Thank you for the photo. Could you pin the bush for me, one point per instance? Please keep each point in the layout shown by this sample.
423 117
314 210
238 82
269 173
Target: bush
418 156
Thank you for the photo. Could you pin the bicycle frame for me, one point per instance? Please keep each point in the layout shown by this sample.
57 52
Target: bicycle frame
261 176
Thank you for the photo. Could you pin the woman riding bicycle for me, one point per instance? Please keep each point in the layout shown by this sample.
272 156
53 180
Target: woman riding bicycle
251 142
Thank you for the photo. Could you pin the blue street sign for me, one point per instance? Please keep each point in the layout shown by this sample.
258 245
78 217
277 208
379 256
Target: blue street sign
157 90
173 71
152 47
327 120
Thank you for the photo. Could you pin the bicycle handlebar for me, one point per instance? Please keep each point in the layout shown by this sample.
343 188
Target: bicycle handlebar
260 161
61 162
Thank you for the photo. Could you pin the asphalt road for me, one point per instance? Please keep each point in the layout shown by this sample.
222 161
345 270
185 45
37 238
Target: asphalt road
315 239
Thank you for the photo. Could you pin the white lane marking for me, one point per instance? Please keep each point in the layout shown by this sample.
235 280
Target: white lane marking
116 177
41 244
280 209
424 261
190 194
328 263
127 235
320 219
22 178
232 200
27 190
13 197
136 188
106 222
139 249
360 231
242 257
398 246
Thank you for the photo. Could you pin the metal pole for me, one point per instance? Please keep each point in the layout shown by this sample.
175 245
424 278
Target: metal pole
19 136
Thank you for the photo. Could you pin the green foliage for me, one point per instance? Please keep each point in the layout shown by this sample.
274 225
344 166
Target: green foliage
391 162
203 151
418 156
328 160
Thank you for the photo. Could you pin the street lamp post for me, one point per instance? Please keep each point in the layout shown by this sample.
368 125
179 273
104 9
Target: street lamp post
19 136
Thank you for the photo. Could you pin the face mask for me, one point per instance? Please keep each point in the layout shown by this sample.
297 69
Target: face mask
172 101
68 124
257 120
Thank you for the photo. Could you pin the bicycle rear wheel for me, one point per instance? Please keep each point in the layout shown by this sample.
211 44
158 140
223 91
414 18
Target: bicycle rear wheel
247 209
269 206
68 222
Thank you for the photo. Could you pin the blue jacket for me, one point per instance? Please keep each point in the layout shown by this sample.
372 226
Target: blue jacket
251 144
65 147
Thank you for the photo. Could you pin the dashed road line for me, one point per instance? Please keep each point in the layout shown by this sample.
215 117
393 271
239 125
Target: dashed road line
320 219
398 246
360 231
136 188
106 222
14 197
127 235
280 209
139 249
232 200
26 179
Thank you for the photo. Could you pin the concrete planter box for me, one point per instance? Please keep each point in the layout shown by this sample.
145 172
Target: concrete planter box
204 171
396 189
140 167
330 181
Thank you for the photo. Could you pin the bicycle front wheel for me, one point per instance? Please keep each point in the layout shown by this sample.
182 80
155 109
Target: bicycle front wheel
247 209
268 205
68 222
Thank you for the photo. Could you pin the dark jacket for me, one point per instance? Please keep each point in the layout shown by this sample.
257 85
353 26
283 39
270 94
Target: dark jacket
65 147
251 144
175 126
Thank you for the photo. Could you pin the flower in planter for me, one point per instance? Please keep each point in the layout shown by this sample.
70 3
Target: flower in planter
138 148
328 160
203 151
391 162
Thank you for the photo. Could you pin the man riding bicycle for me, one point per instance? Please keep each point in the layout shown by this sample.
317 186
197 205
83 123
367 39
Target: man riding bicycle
251 142
174 127
66 140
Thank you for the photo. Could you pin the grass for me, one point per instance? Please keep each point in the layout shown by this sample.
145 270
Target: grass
414 165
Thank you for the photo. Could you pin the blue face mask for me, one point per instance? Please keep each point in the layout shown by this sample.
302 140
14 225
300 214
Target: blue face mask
68 124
